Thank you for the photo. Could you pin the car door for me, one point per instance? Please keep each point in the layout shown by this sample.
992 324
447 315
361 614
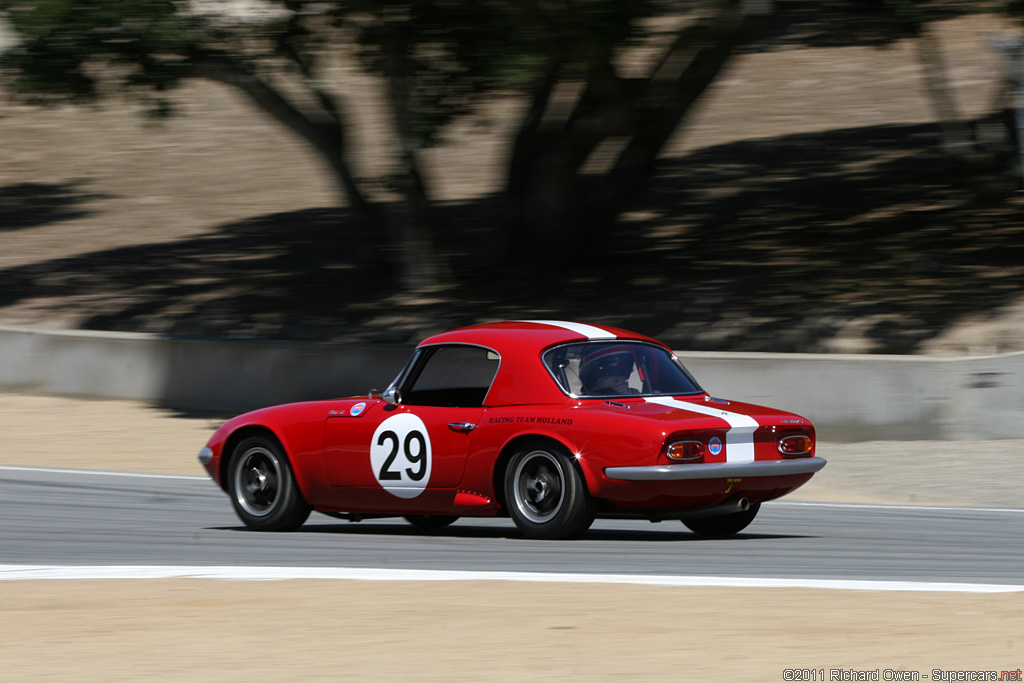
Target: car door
391 453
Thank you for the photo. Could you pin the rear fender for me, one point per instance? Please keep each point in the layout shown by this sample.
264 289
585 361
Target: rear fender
516 443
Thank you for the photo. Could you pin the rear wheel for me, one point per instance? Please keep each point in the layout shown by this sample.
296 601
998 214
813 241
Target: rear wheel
262 486
431 522
545 493
726 525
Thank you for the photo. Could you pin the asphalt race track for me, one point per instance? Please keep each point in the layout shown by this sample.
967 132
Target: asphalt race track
62 517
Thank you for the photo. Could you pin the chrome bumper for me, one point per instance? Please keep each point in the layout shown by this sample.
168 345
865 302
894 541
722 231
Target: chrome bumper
205 456
717 470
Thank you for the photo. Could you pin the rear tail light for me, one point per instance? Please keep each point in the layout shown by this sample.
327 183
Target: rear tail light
796 445
686 450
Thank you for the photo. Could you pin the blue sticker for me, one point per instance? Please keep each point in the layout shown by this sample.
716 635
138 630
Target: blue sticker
357 409
715 445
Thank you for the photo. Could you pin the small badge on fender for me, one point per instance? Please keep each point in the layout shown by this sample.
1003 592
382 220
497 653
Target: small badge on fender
357 409
715 445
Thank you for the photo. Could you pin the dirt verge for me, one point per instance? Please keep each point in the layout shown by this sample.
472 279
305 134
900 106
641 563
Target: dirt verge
194 630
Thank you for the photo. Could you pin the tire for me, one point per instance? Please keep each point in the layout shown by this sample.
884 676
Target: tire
430 522
726 525
262 487
546 496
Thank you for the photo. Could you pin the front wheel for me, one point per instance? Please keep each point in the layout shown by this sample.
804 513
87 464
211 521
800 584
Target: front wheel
546 495
726 525
262 487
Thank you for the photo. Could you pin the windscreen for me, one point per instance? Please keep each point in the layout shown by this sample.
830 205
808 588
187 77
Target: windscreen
602 369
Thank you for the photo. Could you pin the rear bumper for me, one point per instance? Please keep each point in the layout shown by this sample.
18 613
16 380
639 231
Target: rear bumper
717 470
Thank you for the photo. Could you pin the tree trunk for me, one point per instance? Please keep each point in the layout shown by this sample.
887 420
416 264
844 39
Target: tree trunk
956 138
519 231
324 130
412 220
685 73
581 156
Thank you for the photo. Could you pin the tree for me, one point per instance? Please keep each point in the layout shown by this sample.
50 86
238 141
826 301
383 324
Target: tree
579 158
981 162
586 144
589 136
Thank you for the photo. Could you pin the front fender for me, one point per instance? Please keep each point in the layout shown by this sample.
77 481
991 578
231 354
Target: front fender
298 427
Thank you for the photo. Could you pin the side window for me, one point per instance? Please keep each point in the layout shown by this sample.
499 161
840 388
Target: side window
453 376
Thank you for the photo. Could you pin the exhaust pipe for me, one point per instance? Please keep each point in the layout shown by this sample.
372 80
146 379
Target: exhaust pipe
729 507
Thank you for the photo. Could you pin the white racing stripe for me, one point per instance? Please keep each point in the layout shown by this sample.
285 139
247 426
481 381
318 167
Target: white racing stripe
588 331
739 439
14 572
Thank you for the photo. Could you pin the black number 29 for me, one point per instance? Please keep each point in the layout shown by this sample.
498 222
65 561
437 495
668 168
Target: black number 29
419 458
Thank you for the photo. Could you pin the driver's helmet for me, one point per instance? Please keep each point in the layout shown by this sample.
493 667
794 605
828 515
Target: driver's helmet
606 370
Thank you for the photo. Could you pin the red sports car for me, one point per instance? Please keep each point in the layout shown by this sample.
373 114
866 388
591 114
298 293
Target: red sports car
551 423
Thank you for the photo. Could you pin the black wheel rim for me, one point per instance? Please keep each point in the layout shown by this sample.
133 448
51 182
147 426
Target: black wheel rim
257 481
539 486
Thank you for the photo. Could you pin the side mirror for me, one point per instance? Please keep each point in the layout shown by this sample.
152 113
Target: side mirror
392 395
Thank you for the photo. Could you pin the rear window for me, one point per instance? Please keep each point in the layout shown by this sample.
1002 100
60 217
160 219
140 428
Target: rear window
602 369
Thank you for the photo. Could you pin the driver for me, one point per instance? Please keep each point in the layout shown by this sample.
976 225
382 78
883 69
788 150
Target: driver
605 371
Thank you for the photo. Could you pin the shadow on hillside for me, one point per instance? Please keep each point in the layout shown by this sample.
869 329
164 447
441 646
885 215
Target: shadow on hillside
842 23
27 205
800 243
864 234
279 275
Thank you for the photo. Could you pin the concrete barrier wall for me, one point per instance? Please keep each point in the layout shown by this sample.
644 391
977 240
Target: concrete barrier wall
865 398
849 398
191 374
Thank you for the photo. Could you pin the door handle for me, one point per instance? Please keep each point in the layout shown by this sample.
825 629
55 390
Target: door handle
464 427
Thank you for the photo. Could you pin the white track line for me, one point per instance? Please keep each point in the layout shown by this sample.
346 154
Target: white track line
138 475
880 506
14 572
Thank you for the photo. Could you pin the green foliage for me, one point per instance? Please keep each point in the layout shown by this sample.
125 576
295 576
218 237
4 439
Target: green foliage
448 53
65 44
439 59
441 55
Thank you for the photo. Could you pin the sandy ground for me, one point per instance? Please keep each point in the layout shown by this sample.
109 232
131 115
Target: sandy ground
190 630
204 630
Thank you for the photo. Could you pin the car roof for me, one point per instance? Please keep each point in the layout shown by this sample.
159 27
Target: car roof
522 377
538 334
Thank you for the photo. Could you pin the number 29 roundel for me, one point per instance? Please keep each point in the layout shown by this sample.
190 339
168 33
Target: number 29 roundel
400 455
